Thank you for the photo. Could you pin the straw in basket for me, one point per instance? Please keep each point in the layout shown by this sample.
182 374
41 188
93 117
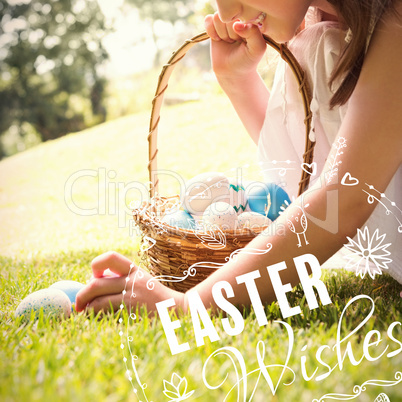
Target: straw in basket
181 258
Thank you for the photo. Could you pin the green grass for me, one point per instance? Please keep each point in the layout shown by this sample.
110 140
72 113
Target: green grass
80 358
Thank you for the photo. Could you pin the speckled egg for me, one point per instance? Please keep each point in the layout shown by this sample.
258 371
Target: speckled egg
267 199
252 220
53 301
237 196
203 190
180 219
220 214
70 288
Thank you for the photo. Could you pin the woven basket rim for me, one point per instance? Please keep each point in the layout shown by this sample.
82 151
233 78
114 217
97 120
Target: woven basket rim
147 216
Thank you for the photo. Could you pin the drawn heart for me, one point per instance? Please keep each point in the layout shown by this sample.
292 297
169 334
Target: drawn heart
348 180
310 168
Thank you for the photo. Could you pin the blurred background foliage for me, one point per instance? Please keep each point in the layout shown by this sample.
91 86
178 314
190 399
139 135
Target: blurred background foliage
66 65
53 63
50 81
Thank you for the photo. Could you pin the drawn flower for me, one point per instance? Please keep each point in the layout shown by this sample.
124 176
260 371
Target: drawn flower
341 141
176 389
368 249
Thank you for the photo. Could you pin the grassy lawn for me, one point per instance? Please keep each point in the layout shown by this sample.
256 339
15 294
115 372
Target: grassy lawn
64 202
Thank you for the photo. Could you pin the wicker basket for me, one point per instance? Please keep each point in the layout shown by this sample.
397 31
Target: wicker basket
169 252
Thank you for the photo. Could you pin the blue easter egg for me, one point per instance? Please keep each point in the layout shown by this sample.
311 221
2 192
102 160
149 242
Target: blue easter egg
180 219
53 302
70 288
259 195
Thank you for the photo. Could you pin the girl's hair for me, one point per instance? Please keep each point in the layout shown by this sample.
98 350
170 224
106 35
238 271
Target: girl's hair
360 16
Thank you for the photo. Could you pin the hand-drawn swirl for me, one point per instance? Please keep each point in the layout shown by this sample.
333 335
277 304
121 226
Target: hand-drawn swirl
170 278
147 244
358 389
229 351
249 250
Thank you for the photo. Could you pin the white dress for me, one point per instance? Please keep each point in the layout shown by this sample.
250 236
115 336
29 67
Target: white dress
281 142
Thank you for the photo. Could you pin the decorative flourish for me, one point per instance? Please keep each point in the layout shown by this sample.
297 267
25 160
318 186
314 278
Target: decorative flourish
147 243
233 256
138 274
235 357
249 250
207 188
129 339
371 198
335 162
358 389
212 237
176 389
240 369
192 270
282 170
170 278
368 249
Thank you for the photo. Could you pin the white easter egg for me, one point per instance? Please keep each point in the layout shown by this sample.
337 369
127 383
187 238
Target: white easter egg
70 288
237 196
53 301
220 214
203 190
252 220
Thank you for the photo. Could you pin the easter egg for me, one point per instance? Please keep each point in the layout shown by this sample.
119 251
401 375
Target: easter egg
220 214
180 219
70 288
237 196
252 220
267 199
203 190
53 301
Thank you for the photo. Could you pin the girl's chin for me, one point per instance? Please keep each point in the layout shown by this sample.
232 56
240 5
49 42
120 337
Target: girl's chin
279 37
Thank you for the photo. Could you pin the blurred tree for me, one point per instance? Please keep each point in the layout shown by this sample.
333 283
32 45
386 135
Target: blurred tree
170 11
50 54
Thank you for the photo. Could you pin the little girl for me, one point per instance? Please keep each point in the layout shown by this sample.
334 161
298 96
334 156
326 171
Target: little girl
351 51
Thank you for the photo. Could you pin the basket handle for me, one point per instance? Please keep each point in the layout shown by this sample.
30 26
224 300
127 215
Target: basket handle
164 76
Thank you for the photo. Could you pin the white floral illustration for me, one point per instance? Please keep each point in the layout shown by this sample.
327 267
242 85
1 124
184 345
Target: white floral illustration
212 237
368 249
176 389
334 160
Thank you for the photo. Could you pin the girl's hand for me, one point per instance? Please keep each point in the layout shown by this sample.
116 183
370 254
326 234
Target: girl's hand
105 291
236 48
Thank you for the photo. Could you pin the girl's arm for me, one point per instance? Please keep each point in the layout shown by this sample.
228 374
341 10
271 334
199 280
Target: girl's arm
236 50
373 132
